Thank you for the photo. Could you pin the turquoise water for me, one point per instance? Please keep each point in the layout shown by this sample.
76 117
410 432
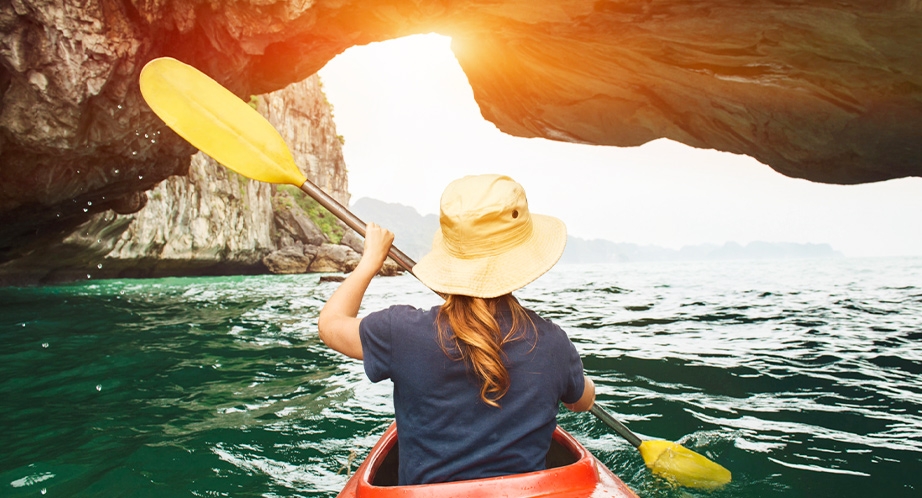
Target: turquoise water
801 377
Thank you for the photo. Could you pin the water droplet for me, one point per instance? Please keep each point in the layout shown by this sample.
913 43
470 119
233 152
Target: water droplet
44 490
153 141
140 177
137 133
146 136
88 275
99 266
99 387
78 171
115 171
85 210
57 215
89 203
134 153
119 106
45 345
23 325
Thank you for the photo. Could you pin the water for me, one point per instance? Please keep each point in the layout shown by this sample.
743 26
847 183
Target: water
801 377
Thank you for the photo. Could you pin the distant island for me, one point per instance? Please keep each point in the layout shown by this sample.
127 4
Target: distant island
414 233
604 251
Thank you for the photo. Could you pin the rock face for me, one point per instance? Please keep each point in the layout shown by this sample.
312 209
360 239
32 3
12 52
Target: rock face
824 90
212 220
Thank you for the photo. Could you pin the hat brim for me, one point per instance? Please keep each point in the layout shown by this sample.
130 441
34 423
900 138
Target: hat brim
495 275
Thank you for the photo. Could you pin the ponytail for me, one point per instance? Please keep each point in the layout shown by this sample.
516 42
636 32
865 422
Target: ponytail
468 326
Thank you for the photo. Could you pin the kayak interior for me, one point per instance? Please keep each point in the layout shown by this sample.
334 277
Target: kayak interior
386 473
572 472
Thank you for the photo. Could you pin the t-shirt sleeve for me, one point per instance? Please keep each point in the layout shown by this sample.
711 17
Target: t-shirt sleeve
576 382
375 332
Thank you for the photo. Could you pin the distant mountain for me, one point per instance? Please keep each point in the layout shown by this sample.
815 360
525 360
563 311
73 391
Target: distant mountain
413 235
412 231
604 251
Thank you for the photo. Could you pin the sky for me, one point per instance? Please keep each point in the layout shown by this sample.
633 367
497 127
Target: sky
411 126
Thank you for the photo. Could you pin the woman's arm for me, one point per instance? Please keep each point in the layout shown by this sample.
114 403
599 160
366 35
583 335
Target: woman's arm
338 323
585 401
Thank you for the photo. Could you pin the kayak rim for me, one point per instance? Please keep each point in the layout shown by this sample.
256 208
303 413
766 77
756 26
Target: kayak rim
572 472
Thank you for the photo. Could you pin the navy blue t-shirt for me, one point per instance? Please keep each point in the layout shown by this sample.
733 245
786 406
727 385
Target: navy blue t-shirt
446 432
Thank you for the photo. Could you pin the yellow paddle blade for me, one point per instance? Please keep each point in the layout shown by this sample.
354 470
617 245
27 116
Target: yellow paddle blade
217 122
687 468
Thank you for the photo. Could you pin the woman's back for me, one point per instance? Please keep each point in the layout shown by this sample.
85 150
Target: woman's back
446 430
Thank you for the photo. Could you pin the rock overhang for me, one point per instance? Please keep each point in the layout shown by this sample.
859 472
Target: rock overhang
825 91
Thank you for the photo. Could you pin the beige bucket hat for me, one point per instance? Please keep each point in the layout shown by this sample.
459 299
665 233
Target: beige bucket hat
488 243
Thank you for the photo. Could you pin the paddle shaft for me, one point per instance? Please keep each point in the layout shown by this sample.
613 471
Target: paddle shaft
407 264
353 221
702 473
617 426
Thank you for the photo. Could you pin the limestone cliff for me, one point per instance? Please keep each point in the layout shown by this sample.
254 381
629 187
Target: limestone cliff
824 90
212 220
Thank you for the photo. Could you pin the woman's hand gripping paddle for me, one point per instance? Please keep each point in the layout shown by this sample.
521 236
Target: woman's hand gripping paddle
223 126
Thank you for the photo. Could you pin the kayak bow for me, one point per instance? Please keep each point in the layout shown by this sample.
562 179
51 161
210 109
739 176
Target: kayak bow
572 473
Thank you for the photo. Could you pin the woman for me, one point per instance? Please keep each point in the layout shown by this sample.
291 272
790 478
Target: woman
477 380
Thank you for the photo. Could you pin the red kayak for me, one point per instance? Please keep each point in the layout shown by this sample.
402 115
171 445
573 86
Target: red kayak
572 473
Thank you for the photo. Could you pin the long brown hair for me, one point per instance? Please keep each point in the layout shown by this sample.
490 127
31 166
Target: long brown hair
475 337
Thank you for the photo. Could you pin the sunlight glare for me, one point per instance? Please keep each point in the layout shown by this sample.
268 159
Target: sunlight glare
411 125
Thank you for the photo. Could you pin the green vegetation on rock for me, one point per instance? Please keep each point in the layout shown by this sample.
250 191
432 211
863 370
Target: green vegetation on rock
325 220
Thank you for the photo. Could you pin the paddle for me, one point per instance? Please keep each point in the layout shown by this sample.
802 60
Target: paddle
220 124
670 460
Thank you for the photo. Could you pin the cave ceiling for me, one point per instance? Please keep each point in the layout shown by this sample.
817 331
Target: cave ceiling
828 91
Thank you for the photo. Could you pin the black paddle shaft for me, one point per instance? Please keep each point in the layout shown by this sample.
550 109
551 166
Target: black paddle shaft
618 427
340 211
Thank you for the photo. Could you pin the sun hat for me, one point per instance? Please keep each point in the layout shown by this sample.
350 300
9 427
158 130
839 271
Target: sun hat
488 243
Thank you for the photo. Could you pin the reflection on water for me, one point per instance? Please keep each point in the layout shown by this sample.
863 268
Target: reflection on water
801 377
